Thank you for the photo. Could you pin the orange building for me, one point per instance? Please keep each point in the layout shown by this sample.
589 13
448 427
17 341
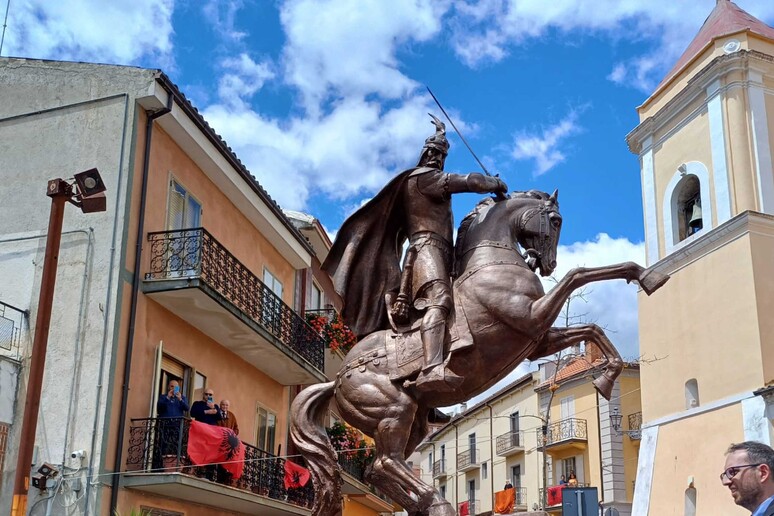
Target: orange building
193 274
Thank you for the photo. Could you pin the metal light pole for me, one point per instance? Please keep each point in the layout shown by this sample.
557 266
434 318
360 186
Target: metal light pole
90 198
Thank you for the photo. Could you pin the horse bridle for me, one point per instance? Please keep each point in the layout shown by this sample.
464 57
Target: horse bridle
531 255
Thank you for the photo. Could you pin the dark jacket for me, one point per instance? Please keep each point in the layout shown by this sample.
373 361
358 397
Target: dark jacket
166 407
197 412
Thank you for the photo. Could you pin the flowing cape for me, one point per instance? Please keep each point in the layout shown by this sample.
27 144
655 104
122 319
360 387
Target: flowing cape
364 261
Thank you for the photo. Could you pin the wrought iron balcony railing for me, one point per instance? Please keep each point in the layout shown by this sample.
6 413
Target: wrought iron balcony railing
509 441
439 468
160 445
194 253
467 459
357 469
565 430
11 321
635 425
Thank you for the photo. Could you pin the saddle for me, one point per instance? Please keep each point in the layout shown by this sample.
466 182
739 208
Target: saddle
404 351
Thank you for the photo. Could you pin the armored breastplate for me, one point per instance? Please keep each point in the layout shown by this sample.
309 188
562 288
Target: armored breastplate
428 211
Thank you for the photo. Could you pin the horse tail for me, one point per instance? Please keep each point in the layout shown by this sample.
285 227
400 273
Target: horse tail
307 431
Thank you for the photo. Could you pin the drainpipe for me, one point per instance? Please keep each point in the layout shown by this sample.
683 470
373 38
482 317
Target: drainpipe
599 447
152 116
491 457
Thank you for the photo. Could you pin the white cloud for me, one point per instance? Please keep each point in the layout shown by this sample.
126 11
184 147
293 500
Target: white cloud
544 148
348 48
610 304
222 16
242 79
119 31
486 30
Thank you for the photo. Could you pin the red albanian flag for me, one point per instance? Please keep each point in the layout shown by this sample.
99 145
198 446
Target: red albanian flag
554 495
208 444
295 476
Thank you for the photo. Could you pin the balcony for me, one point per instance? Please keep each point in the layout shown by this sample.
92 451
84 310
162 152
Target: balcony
193 276
469 508
635 426
12 320
565 434
520 498
510 444
468 461
439 469
356 487
157 463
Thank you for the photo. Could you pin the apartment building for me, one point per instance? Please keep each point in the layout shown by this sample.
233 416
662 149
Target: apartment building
192 274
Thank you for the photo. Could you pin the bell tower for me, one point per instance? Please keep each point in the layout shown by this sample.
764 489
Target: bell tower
705 143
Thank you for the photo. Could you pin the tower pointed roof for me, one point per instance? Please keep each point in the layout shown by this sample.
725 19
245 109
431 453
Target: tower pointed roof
726 18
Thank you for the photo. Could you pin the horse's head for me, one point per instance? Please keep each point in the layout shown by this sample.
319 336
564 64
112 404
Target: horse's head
535 224
529 220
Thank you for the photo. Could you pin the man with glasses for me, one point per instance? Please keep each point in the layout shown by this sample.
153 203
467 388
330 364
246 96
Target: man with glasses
749 475
205 410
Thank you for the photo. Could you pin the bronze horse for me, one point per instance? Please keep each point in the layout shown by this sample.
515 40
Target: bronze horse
509 316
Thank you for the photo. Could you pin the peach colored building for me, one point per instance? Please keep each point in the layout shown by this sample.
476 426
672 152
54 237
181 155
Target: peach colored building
705 143
193 274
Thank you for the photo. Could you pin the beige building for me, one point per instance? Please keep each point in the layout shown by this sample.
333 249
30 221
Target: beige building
582 438
469 459
704 142
500 439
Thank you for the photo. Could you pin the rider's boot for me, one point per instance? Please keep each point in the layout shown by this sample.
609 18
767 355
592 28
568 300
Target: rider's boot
434 377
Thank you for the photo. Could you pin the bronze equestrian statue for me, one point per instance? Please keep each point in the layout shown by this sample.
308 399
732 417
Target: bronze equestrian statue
492 317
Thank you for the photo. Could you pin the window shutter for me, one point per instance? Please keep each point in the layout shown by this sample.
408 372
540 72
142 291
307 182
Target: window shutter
172 366
176 207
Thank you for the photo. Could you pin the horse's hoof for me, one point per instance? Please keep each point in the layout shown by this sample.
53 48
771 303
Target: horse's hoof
651 280
604 386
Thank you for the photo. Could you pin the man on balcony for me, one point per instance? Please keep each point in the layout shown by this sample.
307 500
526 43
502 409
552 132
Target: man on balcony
205 409
173 403
227 418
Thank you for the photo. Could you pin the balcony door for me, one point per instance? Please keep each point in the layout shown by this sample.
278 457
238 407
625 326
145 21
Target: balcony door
272 304
514 419
183 212
472 448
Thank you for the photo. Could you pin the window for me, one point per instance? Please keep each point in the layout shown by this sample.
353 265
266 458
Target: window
266 429
443 453
516 475
183 212
691 394
430 461
272 306
567 406
316 301
472 493
568 466
690 502
484 470
472 445
442 489
171 369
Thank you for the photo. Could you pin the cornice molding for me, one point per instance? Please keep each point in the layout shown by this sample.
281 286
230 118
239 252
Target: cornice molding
697 85
731 230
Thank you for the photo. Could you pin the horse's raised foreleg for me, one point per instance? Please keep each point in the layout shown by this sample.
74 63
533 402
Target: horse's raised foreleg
557 339
547 308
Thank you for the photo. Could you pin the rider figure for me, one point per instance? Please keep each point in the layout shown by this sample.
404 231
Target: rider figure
428 223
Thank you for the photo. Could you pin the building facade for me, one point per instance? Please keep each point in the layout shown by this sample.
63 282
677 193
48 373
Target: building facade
704 142
470 458
582 439
193 274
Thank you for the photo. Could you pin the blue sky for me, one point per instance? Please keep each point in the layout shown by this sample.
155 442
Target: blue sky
324 100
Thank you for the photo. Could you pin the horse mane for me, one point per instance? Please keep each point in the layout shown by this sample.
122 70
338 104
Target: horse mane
462 231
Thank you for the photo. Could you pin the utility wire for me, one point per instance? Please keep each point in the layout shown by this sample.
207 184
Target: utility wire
5 24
